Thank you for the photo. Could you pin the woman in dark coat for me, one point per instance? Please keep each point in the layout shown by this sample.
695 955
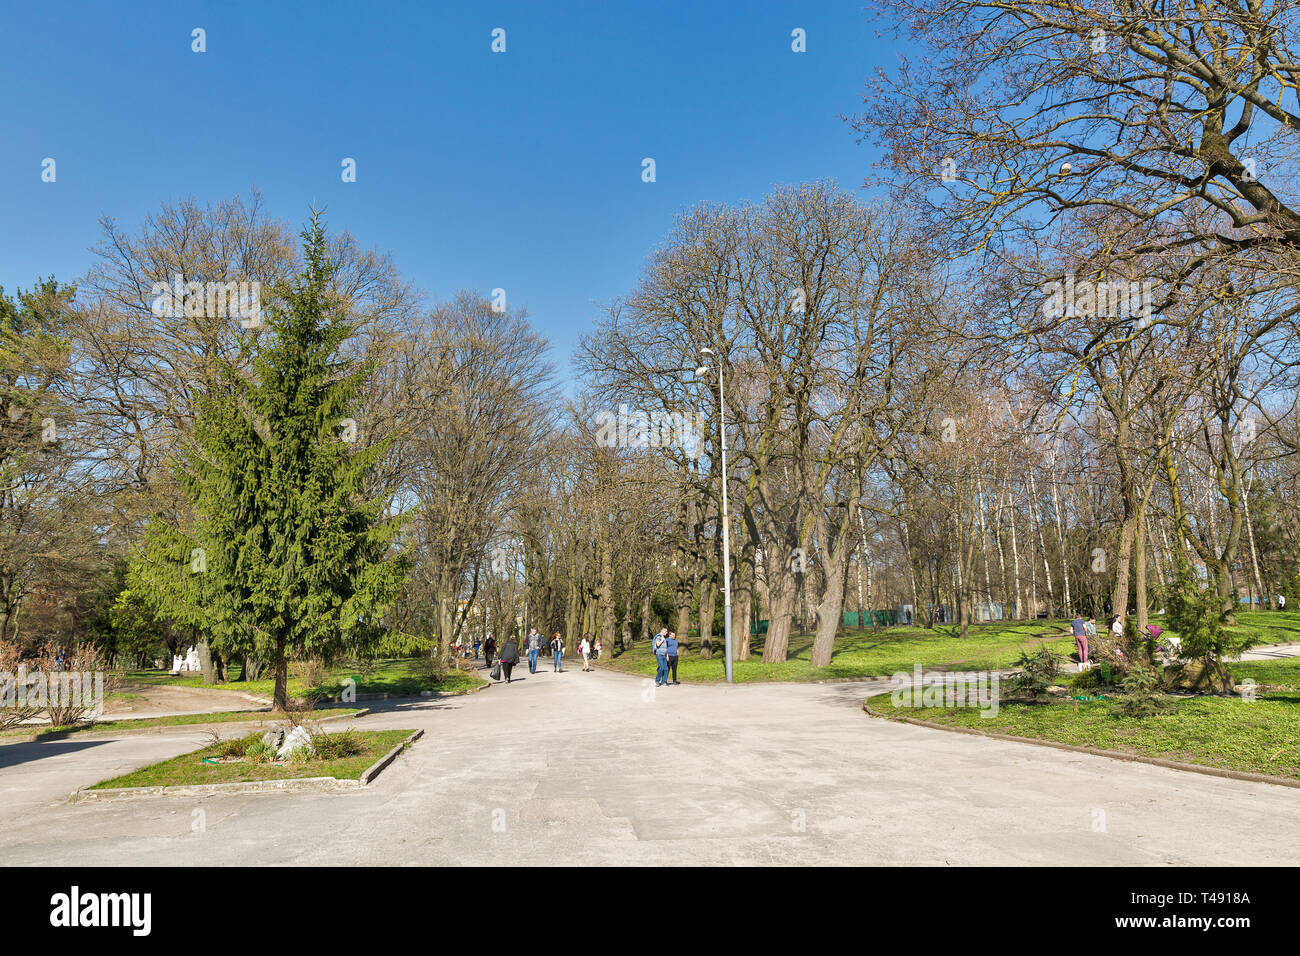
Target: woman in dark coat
489 648
509 656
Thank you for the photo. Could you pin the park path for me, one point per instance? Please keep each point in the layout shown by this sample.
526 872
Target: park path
601 768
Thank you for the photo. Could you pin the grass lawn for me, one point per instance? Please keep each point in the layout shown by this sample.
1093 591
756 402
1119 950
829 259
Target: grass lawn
1279 673
189 769
178 720
397 675
1259 736
882 653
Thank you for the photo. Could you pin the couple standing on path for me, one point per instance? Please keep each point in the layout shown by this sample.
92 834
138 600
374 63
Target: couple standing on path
665 648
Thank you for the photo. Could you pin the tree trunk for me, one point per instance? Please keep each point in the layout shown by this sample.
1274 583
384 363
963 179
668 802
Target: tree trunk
781 597
708 607
280 666
829 613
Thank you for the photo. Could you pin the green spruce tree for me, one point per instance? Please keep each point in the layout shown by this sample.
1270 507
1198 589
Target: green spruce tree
285 554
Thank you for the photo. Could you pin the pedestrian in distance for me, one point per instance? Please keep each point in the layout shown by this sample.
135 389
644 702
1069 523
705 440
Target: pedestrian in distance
660 646
534 647
489 648
672 649
557 648
1080 631
584 648
509 656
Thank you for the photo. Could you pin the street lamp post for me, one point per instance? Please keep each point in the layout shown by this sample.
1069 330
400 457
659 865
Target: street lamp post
707 354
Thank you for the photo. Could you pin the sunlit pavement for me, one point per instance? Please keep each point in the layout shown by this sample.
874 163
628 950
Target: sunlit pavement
601 768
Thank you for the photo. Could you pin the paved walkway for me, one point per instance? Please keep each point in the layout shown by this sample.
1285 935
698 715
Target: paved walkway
1271 652
598 768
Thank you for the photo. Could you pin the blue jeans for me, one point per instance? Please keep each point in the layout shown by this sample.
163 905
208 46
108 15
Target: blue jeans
661 669
532 661
558 655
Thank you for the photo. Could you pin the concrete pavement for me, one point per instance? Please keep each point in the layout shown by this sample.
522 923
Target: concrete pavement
602 768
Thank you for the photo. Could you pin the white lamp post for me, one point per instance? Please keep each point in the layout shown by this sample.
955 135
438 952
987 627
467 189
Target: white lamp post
706 355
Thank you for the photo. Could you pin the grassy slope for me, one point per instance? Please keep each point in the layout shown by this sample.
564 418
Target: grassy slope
188 769
1260 736
391 676
882 653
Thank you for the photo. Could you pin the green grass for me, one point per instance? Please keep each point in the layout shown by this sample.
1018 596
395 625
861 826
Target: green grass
176 720
1279 673
1259 736
882 653
189 769
871 653
398 676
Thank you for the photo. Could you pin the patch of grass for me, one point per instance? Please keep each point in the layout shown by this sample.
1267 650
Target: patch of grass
189 769
991 646
178 720
399 676
1278 673
1260 736
867 654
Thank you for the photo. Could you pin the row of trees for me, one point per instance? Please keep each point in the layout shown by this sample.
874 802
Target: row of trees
1051 367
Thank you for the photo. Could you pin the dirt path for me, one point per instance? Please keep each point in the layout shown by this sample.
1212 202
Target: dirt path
157 700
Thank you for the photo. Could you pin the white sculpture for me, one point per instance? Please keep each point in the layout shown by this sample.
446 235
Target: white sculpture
192 659
296 739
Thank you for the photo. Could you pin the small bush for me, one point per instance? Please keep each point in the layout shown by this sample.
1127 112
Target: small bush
336 746
1037 673
313 673
234 747
1142 697
1087 680
258 752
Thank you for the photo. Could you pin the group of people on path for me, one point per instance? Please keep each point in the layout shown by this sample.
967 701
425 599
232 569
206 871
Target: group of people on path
588 647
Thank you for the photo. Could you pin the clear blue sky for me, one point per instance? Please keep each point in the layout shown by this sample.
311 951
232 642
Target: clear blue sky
475 170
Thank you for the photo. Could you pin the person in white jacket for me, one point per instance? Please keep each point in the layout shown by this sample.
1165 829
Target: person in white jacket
585 650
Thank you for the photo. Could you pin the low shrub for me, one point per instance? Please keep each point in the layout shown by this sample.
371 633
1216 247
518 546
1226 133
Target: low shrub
1142 697
258 752
336 746
1037 672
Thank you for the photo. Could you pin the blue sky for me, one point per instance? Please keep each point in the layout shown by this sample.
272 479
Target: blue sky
519 170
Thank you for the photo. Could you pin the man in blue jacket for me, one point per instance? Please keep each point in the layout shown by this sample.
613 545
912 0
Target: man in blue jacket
672 658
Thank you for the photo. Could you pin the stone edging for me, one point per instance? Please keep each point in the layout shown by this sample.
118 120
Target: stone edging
1095 751
299 784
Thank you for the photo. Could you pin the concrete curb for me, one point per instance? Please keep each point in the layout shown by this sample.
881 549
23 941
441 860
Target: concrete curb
296 784
375 768
1095 751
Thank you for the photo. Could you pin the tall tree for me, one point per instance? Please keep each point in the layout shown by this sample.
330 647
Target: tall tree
285 554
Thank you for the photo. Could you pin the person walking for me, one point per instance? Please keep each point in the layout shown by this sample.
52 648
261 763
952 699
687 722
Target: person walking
509 656
489 648
534 646
672 657
584 648
557 648
660 646
1080 630
596 655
